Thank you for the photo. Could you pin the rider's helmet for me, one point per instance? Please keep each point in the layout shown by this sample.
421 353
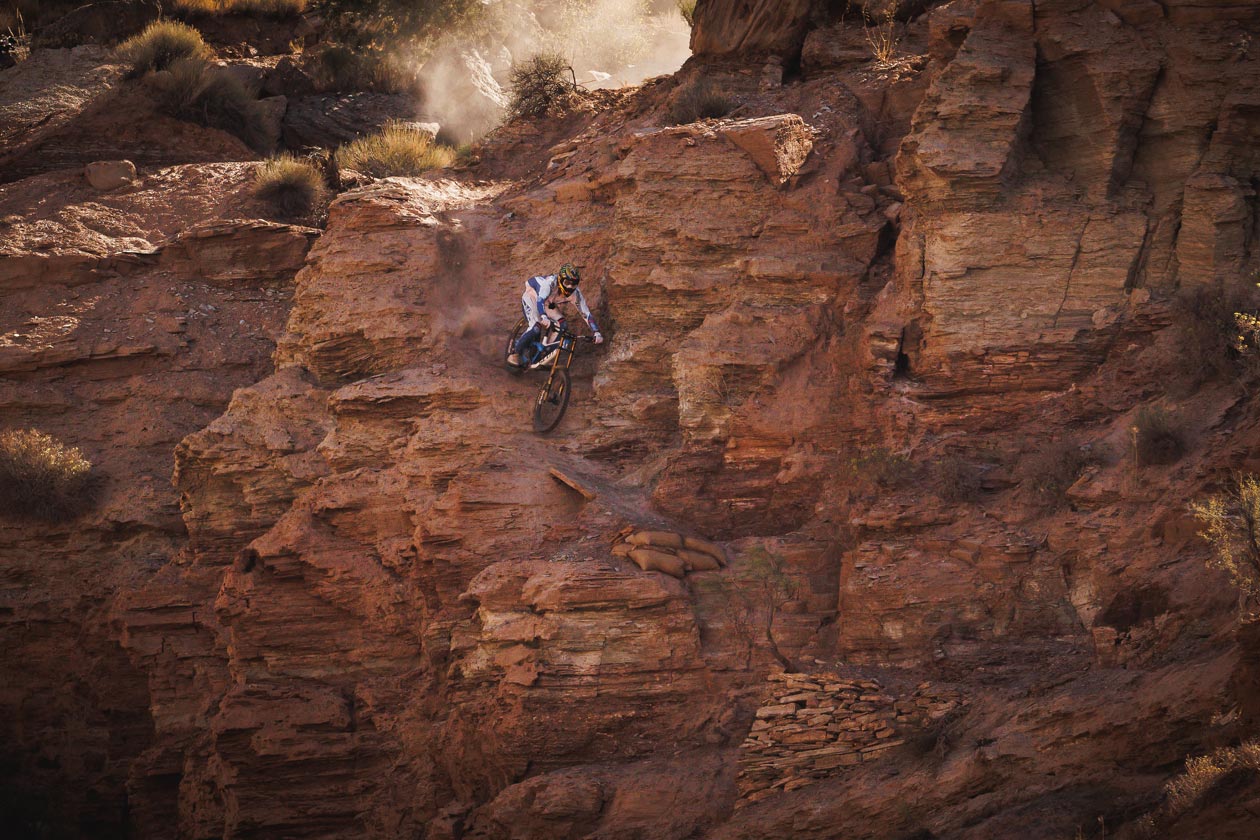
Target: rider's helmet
568 277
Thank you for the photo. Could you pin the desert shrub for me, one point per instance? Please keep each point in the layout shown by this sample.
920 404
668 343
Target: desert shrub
883 468
161 44
1205 779
540 85
698 101
195 91
42 478
293 187
398 149
1231 525
1213 339
338 67
957 479
881 30
750 597
687 8
1157 436
1050 470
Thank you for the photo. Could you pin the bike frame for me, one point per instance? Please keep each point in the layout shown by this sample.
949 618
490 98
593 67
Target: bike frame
568 345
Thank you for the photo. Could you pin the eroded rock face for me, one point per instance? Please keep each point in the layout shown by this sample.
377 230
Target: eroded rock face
114 349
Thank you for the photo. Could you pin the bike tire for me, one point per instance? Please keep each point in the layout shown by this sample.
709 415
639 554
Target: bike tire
551 403
517 331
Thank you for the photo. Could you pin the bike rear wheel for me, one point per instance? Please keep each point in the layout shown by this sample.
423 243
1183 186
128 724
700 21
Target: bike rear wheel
521 326
552 400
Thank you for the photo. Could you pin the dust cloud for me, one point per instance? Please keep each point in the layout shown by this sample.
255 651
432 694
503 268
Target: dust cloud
609 43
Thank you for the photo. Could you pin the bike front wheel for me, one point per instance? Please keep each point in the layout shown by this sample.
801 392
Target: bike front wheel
552 400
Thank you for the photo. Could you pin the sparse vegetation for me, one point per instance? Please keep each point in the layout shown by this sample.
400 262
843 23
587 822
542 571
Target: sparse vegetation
337 67
293 187
957 479
1052 469
880 29
1216 335
1205 778
751 596
699 101
1231 522
687 8
195 91
397 150
883 467
42 478
15 42
1157 436
261 8
160 45
540 86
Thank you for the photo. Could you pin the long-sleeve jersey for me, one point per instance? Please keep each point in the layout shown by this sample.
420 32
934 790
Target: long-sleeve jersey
544 290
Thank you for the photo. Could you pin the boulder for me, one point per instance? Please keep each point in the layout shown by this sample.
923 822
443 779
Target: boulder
728 27
108 175
288 78
778 144
330 120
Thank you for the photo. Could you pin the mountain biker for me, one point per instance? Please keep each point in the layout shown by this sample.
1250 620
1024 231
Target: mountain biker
543 295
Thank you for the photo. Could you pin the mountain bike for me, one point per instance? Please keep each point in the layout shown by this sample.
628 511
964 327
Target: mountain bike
556 348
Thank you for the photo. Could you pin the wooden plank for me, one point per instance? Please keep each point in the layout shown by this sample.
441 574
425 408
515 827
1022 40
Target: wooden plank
573 483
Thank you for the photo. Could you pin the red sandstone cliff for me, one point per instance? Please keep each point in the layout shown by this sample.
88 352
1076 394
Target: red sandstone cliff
367 609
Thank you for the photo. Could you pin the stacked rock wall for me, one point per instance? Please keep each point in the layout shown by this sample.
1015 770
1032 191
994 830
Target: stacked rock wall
813 725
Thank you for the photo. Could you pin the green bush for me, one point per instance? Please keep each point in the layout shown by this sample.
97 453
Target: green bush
1157 436
161 44
698 101
293 187
397 150
195 91
541 85
42 478
1050 470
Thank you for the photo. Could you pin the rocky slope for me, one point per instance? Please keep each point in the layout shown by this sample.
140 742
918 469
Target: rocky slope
854 329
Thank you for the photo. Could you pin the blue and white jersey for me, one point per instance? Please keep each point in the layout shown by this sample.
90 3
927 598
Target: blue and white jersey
543 292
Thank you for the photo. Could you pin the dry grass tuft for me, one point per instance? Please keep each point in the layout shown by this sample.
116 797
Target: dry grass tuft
42 478
541 86
161 44
699 101
397 150
293 187
195 91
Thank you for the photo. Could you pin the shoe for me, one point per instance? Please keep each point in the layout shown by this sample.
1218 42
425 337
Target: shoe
514 359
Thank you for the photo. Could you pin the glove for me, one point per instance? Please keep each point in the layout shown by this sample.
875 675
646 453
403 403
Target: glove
545 321
599 338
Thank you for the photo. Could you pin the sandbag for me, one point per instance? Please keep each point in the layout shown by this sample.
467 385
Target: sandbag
712 549
664 539
658 561
698 561
622 549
